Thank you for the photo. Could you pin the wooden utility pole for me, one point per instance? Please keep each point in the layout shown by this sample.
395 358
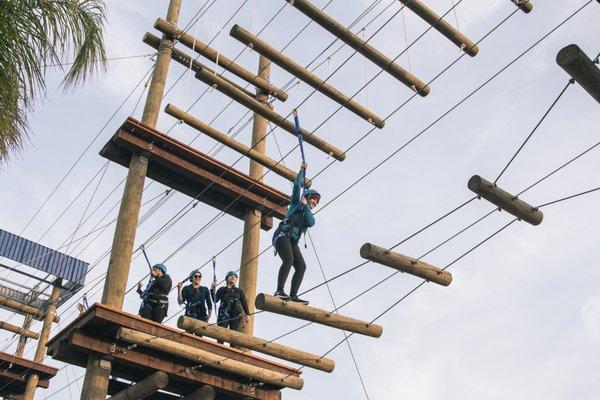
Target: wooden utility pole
23 339
40 352
251 240
95 385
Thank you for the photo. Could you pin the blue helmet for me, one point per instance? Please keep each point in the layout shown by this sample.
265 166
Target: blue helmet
231 273
191 275
308 193
162 267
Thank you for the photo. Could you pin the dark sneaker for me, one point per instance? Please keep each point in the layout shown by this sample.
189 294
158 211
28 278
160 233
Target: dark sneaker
281 294
299 300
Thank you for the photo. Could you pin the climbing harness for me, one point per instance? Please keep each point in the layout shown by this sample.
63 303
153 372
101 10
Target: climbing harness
85 301
212 292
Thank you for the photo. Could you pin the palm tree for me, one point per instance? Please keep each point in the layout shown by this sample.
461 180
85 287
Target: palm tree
35 34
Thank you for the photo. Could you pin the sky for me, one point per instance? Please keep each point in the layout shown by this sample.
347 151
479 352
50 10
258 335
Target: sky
521 318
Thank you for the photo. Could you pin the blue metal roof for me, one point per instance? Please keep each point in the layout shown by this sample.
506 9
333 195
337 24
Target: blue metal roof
42 258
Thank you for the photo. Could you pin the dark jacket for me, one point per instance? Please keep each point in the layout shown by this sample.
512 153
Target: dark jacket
299 217
197 301
233 301
157 291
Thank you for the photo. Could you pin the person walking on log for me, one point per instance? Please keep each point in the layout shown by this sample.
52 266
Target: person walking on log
232 302
155 299
197 299
298 219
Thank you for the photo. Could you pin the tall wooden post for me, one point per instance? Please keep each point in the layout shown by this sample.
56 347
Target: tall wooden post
95 385
251 240
23 338
40 352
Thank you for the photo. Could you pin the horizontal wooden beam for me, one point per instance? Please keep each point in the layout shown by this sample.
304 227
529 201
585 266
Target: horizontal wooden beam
144 388
300 72
266 112
505 201
186 60
208 359
581 68
24 308
525 5
292 309
206 392
218 58
241 148
443 27
361 46
18 330
253 343
406 264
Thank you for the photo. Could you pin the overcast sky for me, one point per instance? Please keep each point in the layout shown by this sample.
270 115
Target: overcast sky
521 319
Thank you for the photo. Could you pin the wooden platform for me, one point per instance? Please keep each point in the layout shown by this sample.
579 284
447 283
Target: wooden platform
190 171
14 372
95 332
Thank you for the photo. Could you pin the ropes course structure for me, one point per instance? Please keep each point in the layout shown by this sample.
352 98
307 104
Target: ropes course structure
163 362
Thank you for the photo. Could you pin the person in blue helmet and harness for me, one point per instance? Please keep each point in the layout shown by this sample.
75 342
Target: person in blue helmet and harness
233 302
155 298
197 299
298 219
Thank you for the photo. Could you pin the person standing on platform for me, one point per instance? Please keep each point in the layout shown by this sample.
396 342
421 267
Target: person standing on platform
197 299
232 302
155 299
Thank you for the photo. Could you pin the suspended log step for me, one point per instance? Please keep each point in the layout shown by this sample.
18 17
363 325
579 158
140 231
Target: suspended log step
19 331
144 388
581 68
15 305
266 112
14 372
204 393
253 343
525 5
116 386
361 46
505 201
185 59
443 27
95 332
218 58
196 174
406 264
208 359
241 148
292 309
302 73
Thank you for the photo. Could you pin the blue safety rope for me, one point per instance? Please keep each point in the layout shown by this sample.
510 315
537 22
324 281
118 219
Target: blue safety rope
145 292
301 144
213 293
85 301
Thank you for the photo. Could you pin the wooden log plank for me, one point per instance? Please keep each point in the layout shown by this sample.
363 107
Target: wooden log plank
140 390
253 343
186 60
209 359
267 113
300 72
406 264
218 58
19 365
361 46
581 68
206 392
115 386
36 313
296 310
505 201
525 5
128 362
18 330
443 27
241 148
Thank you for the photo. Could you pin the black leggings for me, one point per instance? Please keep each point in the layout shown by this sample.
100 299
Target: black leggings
290 255
233 324
156 313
